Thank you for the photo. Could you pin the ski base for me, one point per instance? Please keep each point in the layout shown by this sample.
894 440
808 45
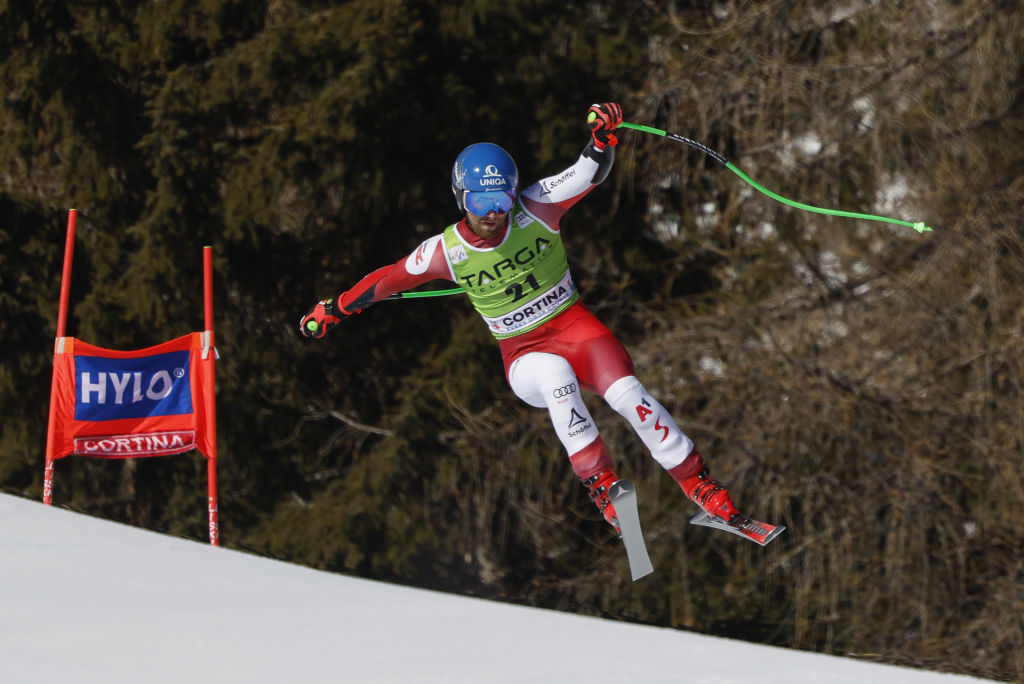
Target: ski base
754 530
623 496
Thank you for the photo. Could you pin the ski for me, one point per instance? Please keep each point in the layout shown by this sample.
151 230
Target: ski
623 496
754 530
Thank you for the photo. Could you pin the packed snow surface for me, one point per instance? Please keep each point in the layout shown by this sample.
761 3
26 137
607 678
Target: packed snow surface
86 601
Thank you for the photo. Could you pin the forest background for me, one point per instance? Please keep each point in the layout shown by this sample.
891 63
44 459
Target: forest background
858 382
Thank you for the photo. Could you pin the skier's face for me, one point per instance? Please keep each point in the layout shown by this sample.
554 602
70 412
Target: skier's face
487 210
488 225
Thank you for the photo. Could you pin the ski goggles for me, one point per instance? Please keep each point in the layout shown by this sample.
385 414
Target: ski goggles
482 202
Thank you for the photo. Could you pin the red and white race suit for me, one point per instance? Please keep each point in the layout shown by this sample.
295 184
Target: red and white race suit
548 366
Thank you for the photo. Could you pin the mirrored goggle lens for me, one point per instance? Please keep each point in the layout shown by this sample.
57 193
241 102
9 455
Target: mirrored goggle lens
481 203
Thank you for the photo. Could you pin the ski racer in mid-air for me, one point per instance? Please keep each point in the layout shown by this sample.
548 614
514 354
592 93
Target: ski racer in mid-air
507 254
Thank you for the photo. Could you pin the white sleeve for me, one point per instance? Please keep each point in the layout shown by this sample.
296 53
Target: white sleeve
573 182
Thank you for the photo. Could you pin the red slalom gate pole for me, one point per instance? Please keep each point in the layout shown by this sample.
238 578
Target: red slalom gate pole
208 369
65 281
62 322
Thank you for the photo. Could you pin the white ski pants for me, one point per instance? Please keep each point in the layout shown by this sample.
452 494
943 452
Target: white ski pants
548 380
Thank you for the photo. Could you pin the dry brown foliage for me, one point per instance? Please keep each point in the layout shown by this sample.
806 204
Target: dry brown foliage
857 381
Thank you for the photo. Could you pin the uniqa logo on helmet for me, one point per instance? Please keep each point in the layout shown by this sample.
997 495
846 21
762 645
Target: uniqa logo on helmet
493 178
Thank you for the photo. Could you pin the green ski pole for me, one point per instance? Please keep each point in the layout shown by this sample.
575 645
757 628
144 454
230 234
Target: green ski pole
919 226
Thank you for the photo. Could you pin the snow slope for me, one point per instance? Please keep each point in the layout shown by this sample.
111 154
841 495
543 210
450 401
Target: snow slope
88 601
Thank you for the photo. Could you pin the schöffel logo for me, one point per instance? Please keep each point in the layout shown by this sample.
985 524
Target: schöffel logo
579 422
564 391
109 389
549 186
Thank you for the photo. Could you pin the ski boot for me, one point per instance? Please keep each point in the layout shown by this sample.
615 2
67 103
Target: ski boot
598 486
711 496
696 482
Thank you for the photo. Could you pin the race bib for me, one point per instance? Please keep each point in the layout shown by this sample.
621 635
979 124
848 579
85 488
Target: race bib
536 310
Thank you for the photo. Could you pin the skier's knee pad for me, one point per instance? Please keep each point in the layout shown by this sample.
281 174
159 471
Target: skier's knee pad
547 380
667 443
533 377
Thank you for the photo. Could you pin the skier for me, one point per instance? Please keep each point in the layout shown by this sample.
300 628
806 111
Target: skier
507 254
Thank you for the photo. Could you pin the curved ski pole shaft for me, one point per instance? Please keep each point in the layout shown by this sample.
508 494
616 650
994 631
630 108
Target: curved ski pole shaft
419 295
919 226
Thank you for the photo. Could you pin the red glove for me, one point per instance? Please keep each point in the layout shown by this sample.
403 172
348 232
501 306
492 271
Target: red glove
326 314
603 119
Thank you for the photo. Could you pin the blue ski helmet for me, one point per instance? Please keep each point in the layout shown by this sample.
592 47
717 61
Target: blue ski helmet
489 173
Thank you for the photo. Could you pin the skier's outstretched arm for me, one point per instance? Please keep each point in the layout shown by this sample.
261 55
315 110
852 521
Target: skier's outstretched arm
549 198
427 262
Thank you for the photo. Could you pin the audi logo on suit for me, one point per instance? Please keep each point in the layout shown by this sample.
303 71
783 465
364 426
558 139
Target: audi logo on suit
564 391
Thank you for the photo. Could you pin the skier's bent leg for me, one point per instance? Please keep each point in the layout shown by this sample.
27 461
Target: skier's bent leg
547 380
669 445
